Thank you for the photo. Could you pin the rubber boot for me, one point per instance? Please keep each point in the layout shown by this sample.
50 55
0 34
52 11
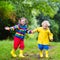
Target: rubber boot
21 54
46 52
41 53
13 53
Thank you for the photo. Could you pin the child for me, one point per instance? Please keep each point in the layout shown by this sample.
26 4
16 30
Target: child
43 37
21 30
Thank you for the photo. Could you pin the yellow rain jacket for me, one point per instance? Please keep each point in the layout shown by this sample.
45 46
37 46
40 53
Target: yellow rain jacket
44 35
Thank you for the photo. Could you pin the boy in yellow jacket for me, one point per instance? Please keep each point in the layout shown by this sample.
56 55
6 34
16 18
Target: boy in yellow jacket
43 37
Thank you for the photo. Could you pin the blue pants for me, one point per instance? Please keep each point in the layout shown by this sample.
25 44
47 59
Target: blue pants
41 47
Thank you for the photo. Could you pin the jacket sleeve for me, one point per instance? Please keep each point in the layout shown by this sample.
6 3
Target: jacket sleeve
50 35
14 27
28 31
36 30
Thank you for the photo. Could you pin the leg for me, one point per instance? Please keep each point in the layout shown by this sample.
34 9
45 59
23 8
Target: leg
21 44
41 49
21 48
46 53
16 44
46 47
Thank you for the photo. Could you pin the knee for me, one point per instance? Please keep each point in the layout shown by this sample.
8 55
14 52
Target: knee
22 46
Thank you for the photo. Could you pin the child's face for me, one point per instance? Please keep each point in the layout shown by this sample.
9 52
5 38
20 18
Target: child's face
45 26
22 21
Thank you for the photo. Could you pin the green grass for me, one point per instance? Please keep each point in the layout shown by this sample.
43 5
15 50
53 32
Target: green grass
31 51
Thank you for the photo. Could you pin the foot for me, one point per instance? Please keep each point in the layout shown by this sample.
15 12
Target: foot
13 54
41 56
46 56
21 56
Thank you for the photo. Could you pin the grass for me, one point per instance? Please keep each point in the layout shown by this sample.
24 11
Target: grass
31 51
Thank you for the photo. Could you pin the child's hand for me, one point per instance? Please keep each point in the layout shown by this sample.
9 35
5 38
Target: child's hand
51 39
32 32
7 28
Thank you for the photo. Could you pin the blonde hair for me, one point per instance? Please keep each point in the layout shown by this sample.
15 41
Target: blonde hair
47 22
23 18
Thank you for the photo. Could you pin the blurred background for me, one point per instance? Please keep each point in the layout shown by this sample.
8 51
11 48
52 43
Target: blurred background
34 10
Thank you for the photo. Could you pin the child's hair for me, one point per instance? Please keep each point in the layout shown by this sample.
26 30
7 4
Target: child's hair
26 21
47 22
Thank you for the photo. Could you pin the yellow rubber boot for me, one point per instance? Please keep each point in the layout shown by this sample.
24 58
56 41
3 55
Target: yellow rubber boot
21 54
41 53
13 53
46 53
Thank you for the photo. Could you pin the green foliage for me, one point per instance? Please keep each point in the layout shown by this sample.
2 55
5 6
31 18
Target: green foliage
54 26
55 29
57 19
47 7
30 9
6 9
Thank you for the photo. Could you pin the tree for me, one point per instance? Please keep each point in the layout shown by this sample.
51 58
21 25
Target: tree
6 9
32 8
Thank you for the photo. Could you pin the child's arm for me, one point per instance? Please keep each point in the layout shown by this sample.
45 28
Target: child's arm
50 36
35 30
32 31
11 28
